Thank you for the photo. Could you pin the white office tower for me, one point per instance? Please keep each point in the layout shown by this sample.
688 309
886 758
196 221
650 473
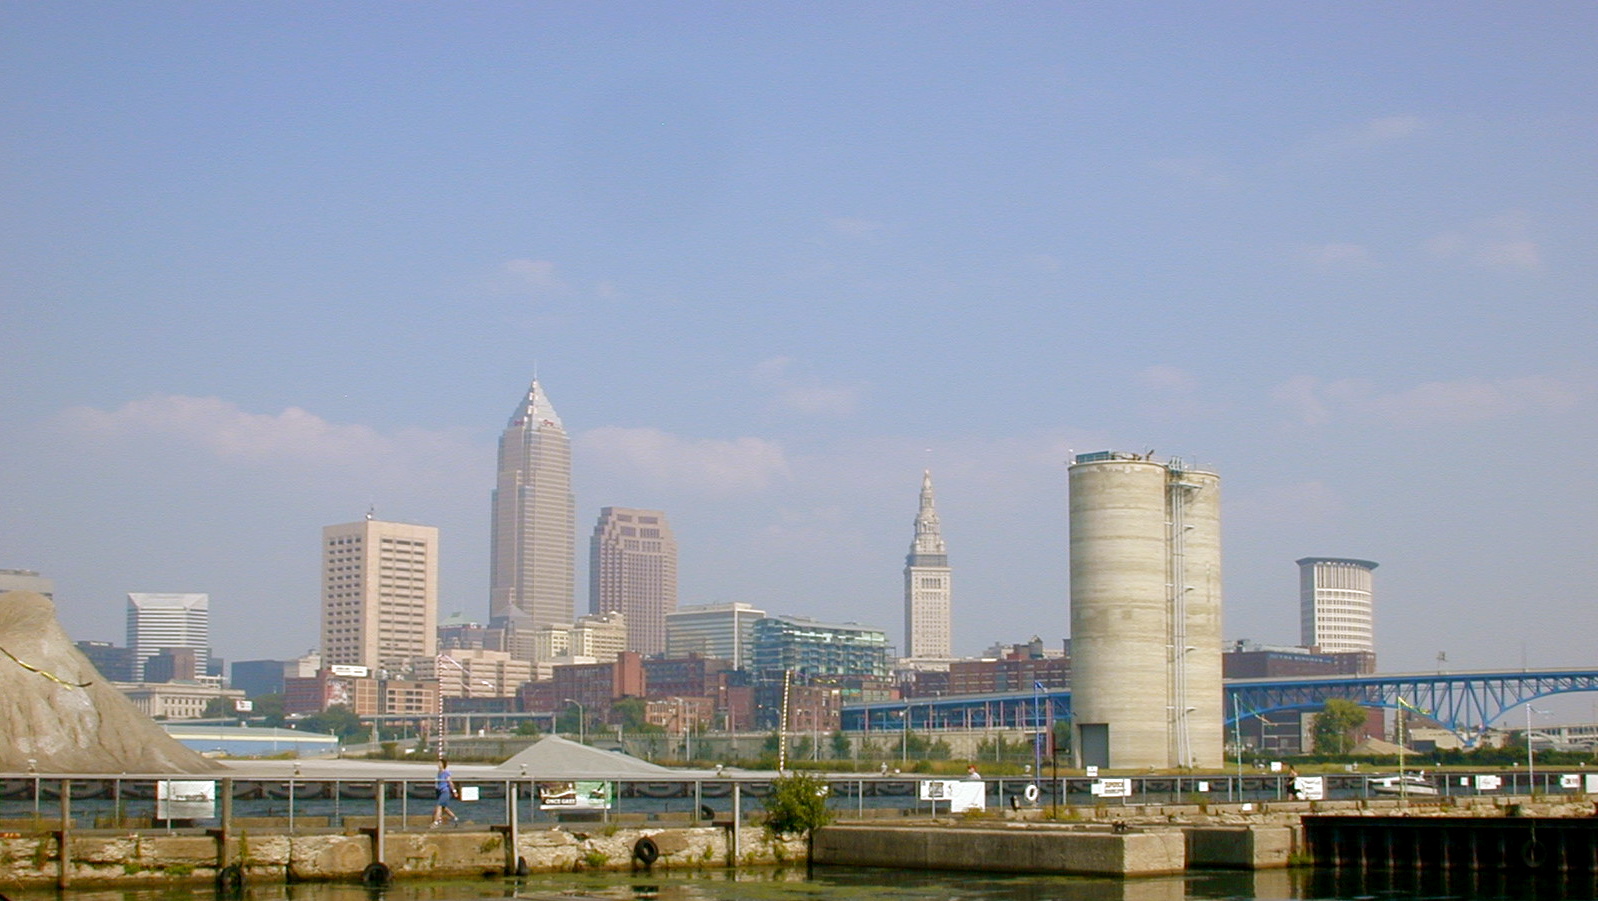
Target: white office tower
1335 604
159 622
379 594
534 526
927 585
1145 612
718 631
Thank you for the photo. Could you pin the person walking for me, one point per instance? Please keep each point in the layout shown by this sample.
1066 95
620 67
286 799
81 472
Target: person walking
447 792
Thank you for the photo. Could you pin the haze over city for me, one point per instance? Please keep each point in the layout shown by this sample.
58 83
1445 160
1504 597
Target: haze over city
269 267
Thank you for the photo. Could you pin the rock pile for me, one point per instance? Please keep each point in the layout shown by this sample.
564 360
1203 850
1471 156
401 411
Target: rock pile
60 716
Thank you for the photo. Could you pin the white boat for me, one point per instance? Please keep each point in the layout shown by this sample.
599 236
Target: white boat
1406 784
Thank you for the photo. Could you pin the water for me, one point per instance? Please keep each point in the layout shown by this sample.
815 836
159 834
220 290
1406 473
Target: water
839 884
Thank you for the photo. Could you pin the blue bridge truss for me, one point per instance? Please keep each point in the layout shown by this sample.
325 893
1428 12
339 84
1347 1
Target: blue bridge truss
1465 703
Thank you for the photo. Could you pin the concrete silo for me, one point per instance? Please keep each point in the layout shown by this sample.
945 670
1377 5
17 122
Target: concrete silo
1145 612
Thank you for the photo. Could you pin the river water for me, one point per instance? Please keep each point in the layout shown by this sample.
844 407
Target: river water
838 884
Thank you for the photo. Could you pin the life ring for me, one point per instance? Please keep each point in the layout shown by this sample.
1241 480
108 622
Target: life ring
706 812
1532 854
521 866
645 851
230 880
1031 793
376 874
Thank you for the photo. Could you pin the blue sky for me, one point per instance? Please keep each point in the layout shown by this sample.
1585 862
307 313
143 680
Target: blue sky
265 266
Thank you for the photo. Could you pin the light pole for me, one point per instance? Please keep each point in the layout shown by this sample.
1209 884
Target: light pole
581 738
904 737
1037 737
1531 759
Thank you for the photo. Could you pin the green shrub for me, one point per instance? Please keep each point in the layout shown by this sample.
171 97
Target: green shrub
797 805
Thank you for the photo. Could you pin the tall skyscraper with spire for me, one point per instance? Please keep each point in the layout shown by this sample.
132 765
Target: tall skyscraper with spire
927 589
532 550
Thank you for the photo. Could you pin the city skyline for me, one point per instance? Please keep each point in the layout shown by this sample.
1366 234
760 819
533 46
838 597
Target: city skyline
272 265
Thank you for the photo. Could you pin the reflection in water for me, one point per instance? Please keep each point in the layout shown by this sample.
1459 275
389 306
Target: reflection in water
838 884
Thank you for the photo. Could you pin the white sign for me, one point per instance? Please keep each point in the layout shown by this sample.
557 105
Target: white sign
344 669
1570 780
1113 788
185 800
1309 788
1276 766
937 789
469 792
967 795
1489 783
244 706
1203 786
1093 772
1592 784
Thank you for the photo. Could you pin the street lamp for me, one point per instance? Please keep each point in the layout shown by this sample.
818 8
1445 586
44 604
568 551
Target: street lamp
581 739
1531 759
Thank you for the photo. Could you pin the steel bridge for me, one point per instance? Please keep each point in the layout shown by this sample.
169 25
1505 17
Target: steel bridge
1466 703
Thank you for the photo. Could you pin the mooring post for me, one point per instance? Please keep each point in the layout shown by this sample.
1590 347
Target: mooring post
224 854
381 833
737 820
512 826
65 865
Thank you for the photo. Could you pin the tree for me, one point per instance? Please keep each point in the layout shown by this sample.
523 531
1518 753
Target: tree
797 805
628 713
840 746
268 709
217 707
338 719
1331 726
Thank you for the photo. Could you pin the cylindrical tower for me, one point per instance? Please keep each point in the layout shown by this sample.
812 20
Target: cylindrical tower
1145 612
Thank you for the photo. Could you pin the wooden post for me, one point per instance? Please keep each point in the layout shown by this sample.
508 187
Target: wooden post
224 853
64 869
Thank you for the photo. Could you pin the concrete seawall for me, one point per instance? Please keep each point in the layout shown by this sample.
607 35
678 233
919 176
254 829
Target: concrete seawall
1036 849
122 858
1110 839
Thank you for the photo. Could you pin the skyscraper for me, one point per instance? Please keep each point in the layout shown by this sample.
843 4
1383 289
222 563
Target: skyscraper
532 547
632 568
927 585
157 622
1335 605
379 593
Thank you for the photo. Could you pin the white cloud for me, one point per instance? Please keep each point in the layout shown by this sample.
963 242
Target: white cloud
1362 137
673 462
535 276
1497 242
293 438
802 394
1474 400
1317 403
1373 133
1336 257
